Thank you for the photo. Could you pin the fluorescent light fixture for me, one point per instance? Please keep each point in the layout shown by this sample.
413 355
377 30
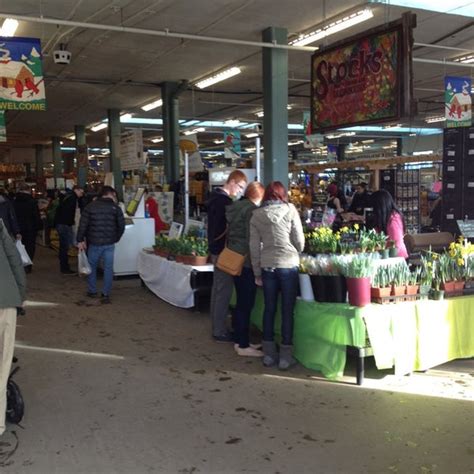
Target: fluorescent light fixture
439 118
295 126
376 128
232 122
152 105
251 135
425 152
190 123
157 140
195 130
297 142
367 141
221 76
9 27
71 137
125 117
466 59
218 142
339 135
99 126
333 27
145 121
259 113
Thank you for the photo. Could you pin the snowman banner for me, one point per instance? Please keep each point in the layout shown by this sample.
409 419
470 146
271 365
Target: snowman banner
458 103
21 75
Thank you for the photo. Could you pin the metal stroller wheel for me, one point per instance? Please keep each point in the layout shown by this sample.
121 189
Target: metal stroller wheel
15 403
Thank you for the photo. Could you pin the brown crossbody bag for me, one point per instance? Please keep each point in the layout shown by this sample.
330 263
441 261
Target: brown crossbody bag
230 262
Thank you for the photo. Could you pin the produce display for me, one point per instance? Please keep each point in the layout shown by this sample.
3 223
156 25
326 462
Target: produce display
189 249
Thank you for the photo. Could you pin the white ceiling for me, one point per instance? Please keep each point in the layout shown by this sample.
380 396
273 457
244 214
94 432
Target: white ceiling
122 70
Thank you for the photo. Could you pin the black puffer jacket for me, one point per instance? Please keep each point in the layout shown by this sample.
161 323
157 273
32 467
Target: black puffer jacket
102 223
27 213
66 211
7 214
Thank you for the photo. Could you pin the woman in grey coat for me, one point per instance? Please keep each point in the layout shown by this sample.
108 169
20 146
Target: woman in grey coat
276 239
12 295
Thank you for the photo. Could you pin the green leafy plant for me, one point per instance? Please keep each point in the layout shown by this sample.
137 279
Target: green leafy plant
360 266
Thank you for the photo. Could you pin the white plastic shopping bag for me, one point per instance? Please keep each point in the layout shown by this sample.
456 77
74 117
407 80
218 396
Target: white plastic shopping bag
25 258
83 265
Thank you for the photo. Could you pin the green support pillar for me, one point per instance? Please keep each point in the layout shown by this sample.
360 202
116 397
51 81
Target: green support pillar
39 166
170 92
114 130
57 159
82 163
275 102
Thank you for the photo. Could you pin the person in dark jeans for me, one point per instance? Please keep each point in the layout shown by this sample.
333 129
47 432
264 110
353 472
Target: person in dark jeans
29 220
64 222
276 238
222 283
238 217
101 226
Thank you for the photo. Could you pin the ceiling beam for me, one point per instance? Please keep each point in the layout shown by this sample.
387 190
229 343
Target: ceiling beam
166 33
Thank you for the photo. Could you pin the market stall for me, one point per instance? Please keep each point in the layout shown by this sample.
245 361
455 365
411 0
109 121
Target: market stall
408 336
176 283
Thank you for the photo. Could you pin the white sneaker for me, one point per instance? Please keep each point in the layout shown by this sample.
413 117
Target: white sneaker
248 352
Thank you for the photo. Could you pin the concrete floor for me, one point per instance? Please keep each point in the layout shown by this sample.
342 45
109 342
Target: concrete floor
137 386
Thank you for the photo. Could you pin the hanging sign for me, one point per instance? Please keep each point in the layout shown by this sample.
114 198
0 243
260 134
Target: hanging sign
458 102
21 75
131 150
189 144
232 147
3 128
364 79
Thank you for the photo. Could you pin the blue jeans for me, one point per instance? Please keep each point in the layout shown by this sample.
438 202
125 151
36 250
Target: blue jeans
246 289
94 254
66 239
282 281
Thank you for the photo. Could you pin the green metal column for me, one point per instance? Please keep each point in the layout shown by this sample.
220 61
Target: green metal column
57 159
275 102
114 143
170 92
82 164
39 166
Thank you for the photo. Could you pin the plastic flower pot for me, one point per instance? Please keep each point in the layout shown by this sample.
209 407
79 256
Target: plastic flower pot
425 290
385 253
398 290
448 286
393 252
306 289
359 291
380 292
335 289
161 252
459 286
319 287
437 295
412 289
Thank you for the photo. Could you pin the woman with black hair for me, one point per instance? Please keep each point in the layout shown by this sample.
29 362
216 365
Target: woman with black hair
387 218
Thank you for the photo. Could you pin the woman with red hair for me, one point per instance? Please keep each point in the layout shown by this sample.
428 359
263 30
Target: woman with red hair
276 238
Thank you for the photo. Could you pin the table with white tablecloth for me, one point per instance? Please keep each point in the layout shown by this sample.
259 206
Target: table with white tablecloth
173 282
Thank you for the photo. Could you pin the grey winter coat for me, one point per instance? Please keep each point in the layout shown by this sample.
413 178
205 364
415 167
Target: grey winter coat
12 274
276 237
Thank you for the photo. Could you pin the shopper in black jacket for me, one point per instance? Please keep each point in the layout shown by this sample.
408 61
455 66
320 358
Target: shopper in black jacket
101 226
7 214
64 222
222 283
29 220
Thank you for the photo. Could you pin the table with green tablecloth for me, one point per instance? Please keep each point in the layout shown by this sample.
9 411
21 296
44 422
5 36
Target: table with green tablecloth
409 336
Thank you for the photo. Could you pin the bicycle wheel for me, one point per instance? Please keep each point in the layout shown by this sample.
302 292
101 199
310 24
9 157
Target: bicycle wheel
15 403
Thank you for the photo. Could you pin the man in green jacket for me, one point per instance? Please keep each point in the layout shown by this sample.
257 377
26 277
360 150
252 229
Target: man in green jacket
12 296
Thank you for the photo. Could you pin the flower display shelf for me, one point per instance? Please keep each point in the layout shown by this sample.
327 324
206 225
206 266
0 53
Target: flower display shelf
398 298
